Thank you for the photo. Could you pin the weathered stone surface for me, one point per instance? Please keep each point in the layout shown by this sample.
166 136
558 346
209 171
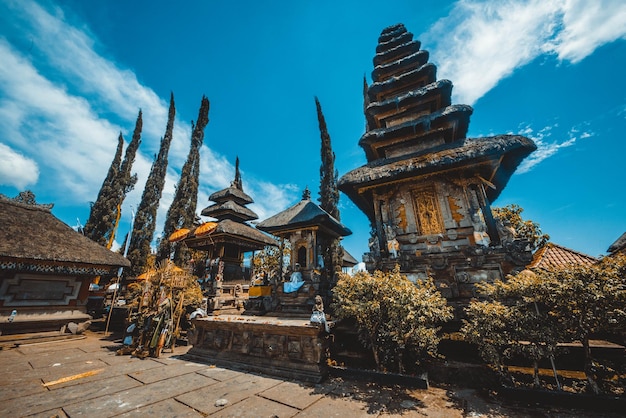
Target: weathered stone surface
71 396
167 408
162 373
119 401
22 389
284 347
256 407
339 407
61 357
295 394
219 373
234 390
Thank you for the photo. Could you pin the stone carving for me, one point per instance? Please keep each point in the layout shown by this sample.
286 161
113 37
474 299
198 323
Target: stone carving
428 213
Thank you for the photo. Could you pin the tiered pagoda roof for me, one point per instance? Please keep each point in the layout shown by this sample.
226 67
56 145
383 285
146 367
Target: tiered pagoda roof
232 214
302 215
230 202
413 129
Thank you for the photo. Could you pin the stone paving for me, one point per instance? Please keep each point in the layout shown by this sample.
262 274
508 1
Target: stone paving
84 377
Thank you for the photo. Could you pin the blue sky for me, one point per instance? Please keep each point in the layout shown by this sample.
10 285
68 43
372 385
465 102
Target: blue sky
73 74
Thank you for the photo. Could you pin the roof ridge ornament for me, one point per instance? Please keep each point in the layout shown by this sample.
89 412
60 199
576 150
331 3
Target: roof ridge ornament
27 199
306 194
237 182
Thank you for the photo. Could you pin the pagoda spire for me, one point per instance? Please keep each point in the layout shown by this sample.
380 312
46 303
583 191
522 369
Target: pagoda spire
237 182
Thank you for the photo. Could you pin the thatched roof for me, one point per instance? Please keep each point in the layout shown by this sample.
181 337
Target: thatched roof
302 215
494 158
554 256
618 245
229 210
233 232
31 233
231 193
348 260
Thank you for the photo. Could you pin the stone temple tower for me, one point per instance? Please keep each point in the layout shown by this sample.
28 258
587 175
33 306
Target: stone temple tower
426 188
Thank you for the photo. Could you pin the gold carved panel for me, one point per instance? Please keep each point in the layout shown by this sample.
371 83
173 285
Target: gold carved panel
428 212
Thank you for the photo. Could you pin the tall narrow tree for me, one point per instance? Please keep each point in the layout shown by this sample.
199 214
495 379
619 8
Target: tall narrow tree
145 219
101 216
182 212
329 193
103 222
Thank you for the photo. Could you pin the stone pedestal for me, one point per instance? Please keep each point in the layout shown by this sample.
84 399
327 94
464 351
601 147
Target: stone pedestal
286 347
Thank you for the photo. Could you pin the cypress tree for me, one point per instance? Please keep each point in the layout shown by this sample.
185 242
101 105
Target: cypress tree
182 212
329 193
101 216
145 218
106 212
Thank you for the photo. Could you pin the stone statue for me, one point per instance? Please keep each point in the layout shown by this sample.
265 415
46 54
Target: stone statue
318 317
506 231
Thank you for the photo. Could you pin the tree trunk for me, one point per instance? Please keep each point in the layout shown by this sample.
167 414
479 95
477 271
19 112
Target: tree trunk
593 385
536 383
375 353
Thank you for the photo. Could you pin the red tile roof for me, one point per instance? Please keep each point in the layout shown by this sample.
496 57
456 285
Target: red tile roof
553 255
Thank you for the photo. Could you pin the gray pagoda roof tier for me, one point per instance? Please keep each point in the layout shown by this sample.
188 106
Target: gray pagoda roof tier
231 215
33 239
419 77
414 131
618 245
229 210
386 71
229 231
231 193
302 215
444 126
230 202
495 158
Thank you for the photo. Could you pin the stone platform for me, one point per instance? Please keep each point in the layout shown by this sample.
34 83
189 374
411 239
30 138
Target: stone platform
285 347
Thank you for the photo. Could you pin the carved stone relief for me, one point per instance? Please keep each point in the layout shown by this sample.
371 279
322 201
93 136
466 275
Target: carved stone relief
428 212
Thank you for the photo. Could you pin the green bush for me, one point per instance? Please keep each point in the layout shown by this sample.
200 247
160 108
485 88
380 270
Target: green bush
395 317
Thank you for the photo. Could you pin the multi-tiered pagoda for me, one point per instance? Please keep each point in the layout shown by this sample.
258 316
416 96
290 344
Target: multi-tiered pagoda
226 240
426 188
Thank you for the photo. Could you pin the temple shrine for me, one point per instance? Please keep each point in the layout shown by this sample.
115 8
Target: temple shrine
304 225
427 188
225 241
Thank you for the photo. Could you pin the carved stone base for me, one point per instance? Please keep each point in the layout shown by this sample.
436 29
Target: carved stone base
285 347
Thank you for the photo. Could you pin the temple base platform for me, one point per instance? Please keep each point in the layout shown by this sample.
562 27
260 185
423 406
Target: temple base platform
287 347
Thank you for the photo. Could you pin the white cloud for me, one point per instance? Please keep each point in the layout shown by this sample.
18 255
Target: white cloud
15 169
588 25
547 148
57 98
482 42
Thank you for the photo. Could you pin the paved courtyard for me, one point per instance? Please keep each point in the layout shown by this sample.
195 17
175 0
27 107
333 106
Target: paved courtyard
84 377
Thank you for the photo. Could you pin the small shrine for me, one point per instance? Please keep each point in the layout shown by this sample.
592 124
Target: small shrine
304 225
427 188
46 268
225 280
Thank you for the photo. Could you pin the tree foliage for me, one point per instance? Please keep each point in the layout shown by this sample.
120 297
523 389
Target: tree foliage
587 300
106 211
524 229
395 317
182 211
145 219
510 322
329 193
269 261
533 311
